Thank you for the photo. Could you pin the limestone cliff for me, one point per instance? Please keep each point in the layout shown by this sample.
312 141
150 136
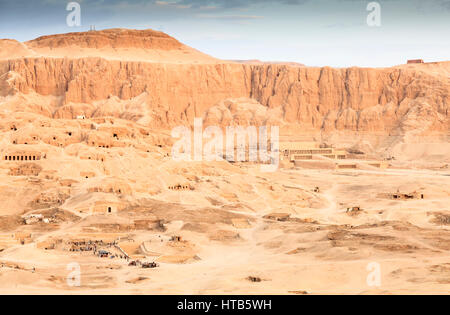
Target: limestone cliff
387 101
319 98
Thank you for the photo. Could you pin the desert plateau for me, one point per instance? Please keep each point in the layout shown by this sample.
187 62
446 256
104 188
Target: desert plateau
89 183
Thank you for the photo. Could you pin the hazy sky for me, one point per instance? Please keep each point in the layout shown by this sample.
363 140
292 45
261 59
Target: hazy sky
313 32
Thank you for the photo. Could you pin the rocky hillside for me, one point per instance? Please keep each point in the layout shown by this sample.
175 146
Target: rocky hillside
111 38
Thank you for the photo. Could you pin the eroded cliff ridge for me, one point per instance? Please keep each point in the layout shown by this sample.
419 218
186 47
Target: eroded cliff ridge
63 76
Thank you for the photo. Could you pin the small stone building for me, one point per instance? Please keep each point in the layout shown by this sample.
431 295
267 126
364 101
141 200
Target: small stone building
412 61
112 186
184 186
26 169
107 207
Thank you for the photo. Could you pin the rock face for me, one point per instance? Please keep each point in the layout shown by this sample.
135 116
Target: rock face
387 101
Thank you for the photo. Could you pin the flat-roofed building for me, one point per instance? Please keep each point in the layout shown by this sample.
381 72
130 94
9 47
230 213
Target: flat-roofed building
22 156
412 61
296 151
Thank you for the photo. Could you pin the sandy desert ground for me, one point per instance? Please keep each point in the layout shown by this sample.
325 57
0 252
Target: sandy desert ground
86 167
